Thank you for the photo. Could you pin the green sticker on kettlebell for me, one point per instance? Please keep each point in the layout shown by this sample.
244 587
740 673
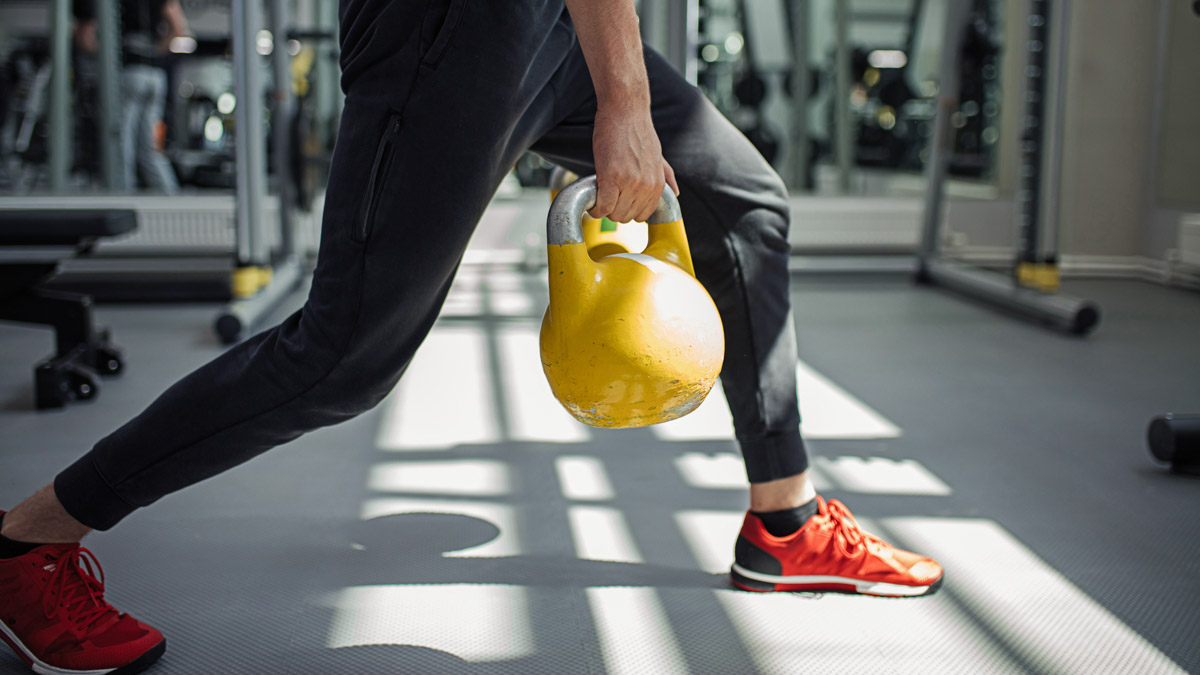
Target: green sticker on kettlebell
607 225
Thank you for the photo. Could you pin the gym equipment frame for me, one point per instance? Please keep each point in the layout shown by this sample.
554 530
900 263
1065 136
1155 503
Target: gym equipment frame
1029 290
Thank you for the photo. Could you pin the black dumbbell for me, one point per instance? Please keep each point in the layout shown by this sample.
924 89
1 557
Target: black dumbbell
1176 439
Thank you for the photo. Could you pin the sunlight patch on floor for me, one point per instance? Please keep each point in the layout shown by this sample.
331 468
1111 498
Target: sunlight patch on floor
634 632
583 478
1032 608
496 627
726 471
602 533
468 477
828 411
536 414
880 475
445 396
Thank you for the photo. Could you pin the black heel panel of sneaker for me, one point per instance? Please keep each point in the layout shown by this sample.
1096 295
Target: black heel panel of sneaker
750 584
144 661
755 559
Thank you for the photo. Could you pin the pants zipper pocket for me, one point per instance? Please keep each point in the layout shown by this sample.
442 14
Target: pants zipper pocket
378 180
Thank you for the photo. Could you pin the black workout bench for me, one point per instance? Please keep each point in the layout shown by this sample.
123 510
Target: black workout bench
32 243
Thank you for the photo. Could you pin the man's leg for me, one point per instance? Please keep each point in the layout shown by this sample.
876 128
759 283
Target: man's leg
154 165
394 228
411 175
418 158
736 212
131 105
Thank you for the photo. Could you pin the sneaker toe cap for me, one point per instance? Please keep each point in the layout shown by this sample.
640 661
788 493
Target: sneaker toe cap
925 571
125 642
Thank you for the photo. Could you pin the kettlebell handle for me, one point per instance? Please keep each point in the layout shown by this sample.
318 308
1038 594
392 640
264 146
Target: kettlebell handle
559 179
564 225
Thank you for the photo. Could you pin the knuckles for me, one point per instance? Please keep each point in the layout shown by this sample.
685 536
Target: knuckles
629 193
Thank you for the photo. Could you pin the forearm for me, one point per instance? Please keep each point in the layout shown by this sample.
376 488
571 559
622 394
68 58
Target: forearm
612 47
630 169
175 20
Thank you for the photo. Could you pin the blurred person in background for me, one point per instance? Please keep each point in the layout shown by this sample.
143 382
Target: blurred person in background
147 28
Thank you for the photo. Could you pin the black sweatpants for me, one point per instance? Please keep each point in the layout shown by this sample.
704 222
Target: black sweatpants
442 98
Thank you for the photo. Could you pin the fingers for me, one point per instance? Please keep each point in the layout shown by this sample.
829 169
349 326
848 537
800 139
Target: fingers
625 199
648 196
670 176
630 198
606 198
649 205
653 193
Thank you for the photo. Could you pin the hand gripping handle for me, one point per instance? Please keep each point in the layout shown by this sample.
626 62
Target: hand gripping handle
564 225
667 239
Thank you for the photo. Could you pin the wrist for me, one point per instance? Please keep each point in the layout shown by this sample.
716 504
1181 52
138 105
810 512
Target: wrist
623 99
622 87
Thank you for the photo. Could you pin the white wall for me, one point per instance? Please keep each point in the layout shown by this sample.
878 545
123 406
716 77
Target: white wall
1108 126
1179 165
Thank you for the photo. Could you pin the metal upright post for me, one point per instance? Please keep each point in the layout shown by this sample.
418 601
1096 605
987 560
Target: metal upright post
267 287
941 144
1029 193
798 15
1036 262
843 126
327 89
692 60
1061 311
683 32
281 122
61 136
677 34
337 97
251 172
108 31
1056 99
650 22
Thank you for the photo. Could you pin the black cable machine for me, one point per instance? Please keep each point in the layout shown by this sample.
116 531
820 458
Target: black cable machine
1031 288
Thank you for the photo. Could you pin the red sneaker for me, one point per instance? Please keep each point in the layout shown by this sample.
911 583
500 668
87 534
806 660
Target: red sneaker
54 616
830 553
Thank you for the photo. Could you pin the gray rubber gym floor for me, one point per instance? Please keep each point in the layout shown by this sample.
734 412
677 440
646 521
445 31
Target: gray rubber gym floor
468 526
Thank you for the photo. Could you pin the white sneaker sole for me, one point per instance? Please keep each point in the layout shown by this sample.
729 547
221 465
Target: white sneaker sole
816 582
40 667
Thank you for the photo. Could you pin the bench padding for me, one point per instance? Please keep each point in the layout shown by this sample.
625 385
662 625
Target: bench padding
47 227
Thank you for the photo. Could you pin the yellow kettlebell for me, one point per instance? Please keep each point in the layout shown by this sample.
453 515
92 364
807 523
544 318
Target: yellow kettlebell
603 236
631 339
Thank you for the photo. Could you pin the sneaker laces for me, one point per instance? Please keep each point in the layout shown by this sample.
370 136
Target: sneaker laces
849 535
76 589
